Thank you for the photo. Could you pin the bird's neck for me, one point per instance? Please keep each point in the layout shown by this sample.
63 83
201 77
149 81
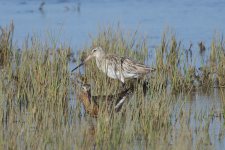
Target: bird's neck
86 98
99 60
100 55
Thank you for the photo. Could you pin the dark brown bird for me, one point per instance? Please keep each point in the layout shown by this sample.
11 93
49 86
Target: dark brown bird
91 103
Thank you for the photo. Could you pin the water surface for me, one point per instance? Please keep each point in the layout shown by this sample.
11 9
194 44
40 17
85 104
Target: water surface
74 21
192 21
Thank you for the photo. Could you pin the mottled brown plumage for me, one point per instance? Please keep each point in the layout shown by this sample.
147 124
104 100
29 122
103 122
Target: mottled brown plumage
91 103
117 67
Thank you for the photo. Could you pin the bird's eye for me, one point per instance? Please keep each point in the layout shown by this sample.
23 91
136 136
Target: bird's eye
94 50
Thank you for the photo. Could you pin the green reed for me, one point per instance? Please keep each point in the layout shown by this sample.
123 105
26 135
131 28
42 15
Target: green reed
6 37
37 92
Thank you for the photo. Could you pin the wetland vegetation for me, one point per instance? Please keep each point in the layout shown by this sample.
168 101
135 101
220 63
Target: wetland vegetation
40 110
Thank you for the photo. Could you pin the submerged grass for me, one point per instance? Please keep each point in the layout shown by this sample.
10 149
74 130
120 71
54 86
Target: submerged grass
39 109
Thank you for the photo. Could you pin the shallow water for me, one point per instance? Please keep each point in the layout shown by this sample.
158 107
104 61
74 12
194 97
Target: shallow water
74 21
202 108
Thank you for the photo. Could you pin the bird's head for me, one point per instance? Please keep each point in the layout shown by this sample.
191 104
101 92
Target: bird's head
86 87
96 52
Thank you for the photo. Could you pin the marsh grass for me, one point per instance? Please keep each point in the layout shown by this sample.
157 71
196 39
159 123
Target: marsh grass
35 88
6 36
149 117
38 93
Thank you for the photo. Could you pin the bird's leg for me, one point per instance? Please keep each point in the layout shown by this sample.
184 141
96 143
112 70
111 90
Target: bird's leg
145 87
144 84
123 85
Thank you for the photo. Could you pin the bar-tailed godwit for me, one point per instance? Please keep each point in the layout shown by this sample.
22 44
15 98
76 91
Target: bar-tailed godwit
117 67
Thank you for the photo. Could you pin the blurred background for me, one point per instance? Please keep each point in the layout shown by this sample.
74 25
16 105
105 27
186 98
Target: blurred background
76 21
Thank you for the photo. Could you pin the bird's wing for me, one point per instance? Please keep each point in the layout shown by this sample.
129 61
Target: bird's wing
131 66
113 64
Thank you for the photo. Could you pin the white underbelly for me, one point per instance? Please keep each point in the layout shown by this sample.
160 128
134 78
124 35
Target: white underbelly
112 74
118 75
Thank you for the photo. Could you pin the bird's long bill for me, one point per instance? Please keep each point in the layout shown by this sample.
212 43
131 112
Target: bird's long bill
78 66
89 57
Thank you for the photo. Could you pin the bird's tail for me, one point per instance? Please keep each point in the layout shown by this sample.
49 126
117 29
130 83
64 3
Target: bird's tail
151 69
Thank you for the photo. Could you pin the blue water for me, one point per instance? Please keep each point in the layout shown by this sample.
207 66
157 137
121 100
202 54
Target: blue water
74 21
192 21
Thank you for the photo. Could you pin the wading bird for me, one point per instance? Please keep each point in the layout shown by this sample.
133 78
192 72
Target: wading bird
117 67
91 103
